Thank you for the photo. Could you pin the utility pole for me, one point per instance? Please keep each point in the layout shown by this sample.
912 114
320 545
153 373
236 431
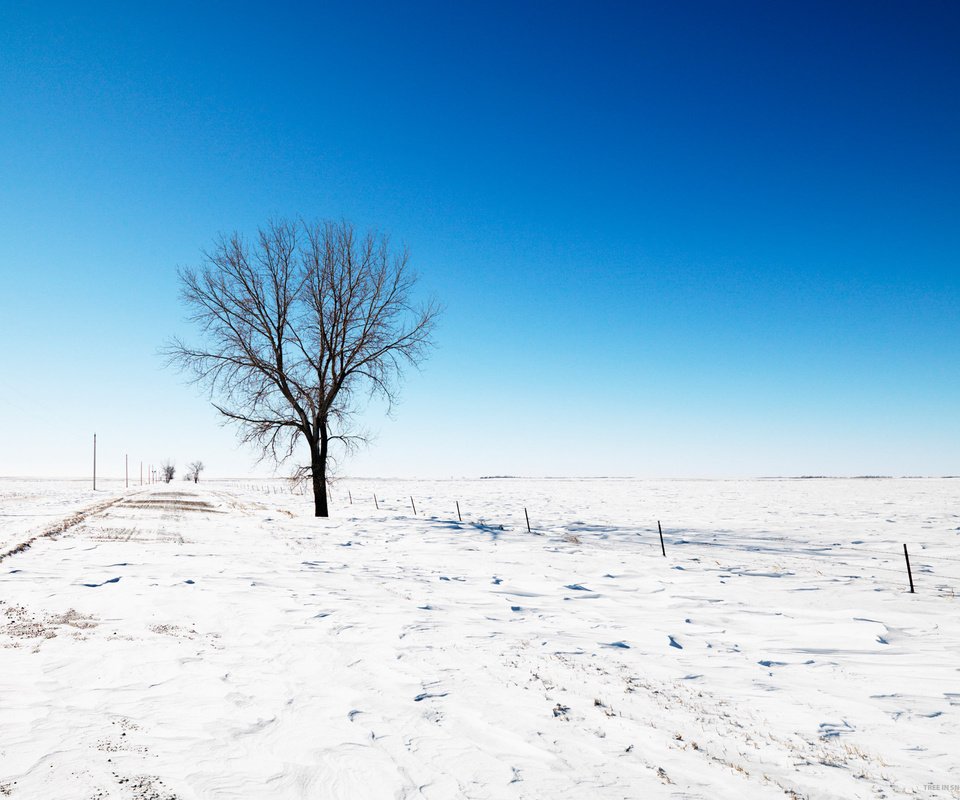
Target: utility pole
94 462
126 471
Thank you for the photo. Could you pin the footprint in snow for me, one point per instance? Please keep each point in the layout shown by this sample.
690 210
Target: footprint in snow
576 587
675 643
620 645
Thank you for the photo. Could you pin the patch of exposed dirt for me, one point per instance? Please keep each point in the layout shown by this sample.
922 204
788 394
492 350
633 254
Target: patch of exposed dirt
19 626
163 504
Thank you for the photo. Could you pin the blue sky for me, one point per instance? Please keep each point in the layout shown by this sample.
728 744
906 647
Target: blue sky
672 239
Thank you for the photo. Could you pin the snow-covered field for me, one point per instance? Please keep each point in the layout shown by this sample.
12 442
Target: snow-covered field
217 642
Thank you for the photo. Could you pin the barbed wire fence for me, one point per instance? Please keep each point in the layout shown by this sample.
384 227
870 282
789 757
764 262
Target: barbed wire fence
910 563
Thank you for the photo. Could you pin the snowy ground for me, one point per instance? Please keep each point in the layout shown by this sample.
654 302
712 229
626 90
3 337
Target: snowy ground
217 642
28 505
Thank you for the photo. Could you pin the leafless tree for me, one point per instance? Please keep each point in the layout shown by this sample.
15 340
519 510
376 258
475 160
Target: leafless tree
194 470
167 470
299 326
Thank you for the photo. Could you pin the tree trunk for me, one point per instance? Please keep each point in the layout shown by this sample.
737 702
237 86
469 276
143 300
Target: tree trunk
318 467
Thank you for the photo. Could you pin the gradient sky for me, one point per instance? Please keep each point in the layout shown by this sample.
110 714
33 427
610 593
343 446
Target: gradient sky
672 239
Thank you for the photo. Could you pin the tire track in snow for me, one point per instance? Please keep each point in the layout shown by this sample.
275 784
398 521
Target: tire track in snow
65 524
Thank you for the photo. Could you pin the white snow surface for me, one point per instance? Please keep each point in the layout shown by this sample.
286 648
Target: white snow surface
217 641
29 506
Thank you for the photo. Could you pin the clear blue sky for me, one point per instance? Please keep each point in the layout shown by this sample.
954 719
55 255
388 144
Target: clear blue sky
673 239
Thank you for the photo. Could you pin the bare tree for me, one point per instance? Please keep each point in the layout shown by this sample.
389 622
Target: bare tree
298 327
194 470
167 470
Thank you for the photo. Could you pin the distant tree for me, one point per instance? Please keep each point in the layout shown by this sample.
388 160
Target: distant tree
298 326
167 471
194 470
